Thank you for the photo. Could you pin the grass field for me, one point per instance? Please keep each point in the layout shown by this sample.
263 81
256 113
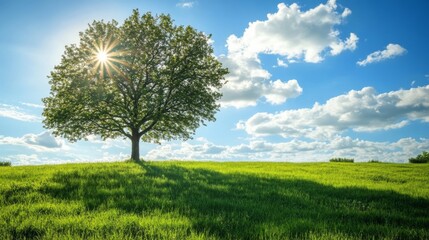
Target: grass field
204 200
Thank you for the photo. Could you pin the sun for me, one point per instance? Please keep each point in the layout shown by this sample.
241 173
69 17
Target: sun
106 58
102 56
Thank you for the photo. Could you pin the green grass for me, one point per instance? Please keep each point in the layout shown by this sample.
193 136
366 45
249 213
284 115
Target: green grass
204 200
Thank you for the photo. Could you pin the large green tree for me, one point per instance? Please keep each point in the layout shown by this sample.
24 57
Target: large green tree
147 79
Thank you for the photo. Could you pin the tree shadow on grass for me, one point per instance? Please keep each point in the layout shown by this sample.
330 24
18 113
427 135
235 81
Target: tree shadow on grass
241 206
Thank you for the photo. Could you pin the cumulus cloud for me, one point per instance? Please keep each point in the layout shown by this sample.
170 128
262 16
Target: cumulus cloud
43 142
241 91
290 33
391 51
44 139
248 82
17 113
293 150
296 34
362 110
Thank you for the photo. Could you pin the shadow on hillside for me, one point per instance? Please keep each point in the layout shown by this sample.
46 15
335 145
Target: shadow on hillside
244 206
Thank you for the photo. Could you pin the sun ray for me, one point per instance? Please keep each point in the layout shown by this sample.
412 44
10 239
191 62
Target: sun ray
105 58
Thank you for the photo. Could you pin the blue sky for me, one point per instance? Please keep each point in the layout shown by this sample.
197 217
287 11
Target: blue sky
309 80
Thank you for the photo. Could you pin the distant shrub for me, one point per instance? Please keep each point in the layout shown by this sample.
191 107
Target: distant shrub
374 161
5 164
348 160
421 158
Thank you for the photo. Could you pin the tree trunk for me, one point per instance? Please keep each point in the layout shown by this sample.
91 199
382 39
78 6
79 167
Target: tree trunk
135 147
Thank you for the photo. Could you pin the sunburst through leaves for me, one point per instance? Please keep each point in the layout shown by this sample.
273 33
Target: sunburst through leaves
106 57
102 56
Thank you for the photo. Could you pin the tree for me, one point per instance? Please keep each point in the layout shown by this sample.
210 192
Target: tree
421 158
145 80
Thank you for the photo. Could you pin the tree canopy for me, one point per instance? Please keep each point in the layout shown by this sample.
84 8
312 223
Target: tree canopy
147 79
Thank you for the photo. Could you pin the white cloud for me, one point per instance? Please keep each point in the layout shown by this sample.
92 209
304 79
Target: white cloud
346 13
61 158
248 82
109 157
362 110
23 159
290 33
278 92
296 34
350 43
109 143
281 63
184 150
391 51
185 4
33 105
43 142
17 113
44 139
294 150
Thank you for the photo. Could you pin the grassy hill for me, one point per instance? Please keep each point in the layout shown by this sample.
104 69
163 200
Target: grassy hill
204 200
